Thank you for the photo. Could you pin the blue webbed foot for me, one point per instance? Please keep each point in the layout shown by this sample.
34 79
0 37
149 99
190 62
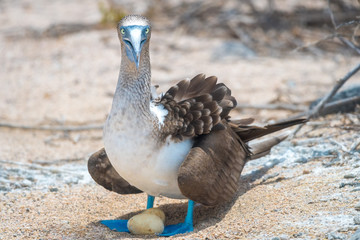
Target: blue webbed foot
170 230
184 227
177 229
117 225
121 225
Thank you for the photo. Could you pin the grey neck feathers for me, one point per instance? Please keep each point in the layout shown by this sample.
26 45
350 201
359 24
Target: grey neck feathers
133 91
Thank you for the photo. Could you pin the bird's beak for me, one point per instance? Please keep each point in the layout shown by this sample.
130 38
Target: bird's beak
135 38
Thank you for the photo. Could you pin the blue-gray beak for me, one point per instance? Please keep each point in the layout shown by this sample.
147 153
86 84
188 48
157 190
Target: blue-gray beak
134 43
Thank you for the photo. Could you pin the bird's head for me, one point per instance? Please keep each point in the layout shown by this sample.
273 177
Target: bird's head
134 32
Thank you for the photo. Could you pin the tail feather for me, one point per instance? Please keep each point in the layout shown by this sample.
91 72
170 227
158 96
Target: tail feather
249 135
248 132
262 147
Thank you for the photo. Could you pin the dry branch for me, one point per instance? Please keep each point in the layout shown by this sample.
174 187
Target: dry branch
315 112
321 106
336 106
348 43
336 27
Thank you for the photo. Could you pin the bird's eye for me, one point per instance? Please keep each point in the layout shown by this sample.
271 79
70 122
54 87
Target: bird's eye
147 31
122 31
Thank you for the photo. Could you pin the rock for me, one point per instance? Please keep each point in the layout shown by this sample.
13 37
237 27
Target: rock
297 235
357 207
53 189
281 237
4 189
350 175
352 184
267 177
357 220
146 224
26 183
335 235
356 235
302 160
322 153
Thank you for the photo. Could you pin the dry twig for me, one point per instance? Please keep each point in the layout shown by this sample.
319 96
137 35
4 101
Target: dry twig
348 43
332 106
315 112
336 27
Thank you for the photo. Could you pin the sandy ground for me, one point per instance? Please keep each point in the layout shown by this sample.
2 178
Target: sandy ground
307 188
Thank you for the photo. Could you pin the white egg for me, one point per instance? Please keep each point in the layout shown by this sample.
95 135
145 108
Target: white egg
156 211
145 224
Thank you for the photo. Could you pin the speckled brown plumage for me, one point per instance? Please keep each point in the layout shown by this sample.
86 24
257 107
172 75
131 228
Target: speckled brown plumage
195 106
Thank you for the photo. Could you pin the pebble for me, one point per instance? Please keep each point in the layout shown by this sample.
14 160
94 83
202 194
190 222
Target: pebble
350 175
26 183
357 220
4 189
335 235
53 189
325 153
281 237
267 177
302 160
357 207
356 235
296 235
352 184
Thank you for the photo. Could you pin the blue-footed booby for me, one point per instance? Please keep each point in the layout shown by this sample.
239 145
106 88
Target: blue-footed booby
181 144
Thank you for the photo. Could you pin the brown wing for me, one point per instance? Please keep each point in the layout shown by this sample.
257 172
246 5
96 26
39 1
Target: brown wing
211 171
196 106
104 174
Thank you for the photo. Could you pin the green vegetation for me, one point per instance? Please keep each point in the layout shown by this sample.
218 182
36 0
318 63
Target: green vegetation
110 14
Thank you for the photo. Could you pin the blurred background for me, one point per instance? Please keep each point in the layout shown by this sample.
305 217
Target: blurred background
60 60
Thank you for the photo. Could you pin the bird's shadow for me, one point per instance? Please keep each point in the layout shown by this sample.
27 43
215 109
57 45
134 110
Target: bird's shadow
204 217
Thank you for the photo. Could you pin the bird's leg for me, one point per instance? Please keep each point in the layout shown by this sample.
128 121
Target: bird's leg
120 225
150 202
186 226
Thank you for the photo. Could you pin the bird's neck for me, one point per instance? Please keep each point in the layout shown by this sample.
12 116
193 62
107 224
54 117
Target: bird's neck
132 95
